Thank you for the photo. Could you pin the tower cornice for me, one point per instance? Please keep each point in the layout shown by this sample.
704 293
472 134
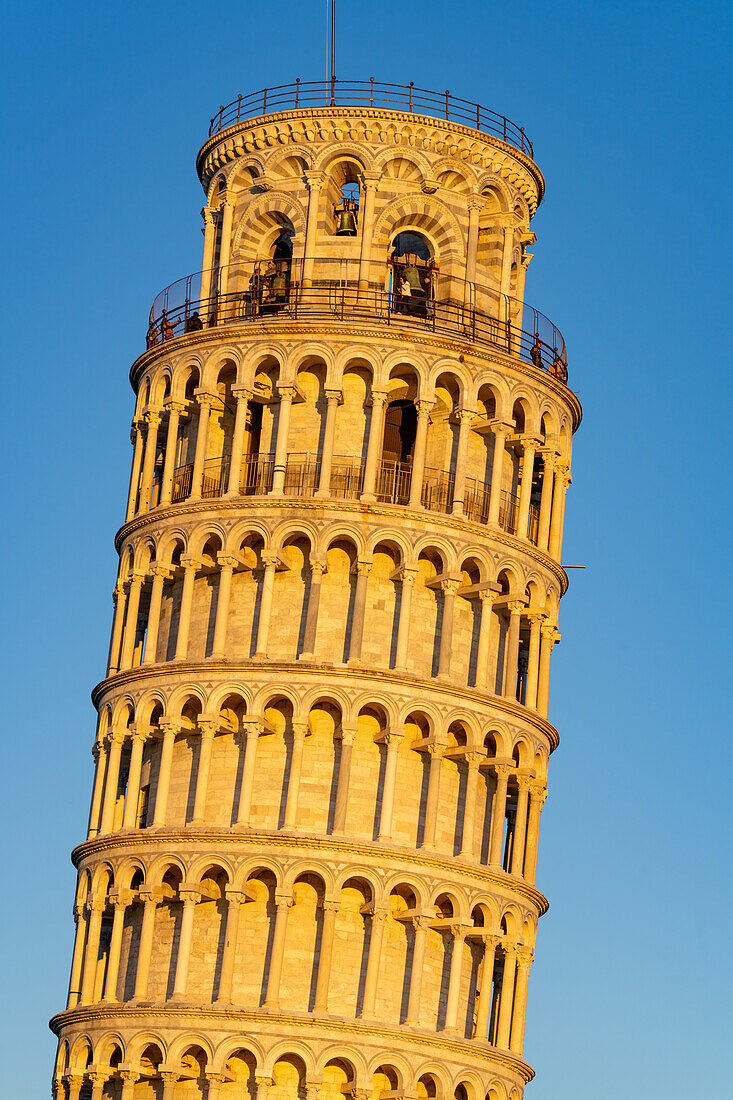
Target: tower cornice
440 136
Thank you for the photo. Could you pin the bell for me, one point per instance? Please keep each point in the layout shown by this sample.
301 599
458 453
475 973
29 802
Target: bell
346 224
413 277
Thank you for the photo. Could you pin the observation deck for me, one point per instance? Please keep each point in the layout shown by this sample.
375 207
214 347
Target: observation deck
452 307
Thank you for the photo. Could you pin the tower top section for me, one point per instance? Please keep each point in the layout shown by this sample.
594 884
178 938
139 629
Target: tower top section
370 101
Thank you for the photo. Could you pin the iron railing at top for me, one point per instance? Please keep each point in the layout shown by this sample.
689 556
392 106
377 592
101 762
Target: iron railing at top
306 94
244 292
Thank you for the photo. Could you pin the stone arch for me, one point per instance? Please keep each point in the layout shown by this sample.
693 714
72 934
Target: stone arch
262 218
428 216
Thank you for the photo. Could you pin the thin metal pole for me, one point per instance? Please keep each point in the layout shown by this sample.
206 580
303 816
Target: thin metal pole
333 53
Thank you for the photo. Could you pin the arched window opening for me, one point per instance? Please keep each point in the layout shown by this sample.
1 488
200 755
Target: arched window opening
398 446
412 273
346 210
342 198
270 280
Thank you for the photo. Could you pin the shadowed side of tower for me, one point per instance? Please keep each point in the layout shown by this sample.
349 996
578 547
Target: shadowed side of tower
323 735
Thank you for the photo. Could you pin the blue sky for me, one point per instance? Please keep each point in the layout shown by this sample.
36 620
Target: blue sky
104 108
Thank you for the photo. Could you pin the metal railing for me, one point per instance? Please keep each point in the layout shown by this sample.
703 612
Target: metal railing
306 94
256 476
392 486
240 294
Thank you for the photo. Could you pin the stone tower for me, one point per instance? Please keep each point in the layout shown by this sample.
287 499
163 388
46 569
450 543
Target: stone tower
323 742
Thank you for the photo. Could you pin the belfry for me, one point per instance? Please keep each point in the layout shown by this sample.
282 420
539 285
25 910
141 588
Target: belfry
323 737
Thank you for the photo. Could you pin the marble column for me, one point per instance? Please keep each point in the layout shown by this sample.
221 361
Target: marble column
120 900
270 563
511 667
501 431
431 810
318 568
136 437
562 480
116 739
548 480
277 955
227 564
189 895
418 462
140 735
152 419
175 408
208 725
393 739
498 814
160 573
507 998
378 918
533 659
344 776
454 984
80 922
520 827
205 401
234 899
97 907
537 796
374 446
149 898
170 728
227 218
208 258
524 961
323 977
487 597
363 569
99 752
253 731
333 399
486 984
190 565
450 588
407 575
314 181
243 397
134 589
370 186
465 419
529 448
287 394
300 731
119 597
421 925
548 637
468 838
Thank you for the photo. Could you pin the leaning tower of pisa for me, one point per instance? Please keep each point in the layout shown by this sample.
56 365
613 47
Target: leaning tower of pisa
323 738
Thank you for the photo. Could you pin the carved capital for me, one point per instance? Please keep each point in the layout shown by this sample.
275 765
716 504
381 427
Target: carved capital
227 561
538 793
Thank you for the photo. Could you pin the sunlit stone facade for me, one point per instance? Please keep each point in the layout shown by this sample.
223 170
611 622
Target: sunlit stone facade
323 740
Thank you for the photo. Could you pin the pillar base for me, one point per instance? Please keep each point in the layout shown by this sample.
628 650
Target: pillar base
323 494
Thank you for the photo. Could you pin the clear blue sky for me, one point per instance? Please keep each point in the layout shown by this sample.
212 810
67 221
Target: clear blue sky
627 104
